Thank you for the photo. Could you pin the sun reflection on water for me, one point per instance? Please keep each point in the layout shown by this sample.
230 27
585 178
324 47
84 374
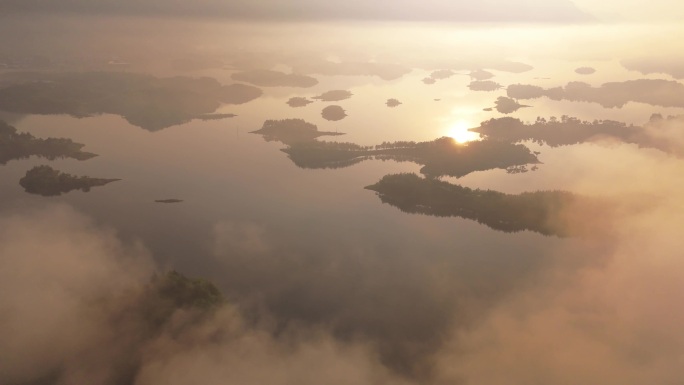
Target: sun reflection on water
459 131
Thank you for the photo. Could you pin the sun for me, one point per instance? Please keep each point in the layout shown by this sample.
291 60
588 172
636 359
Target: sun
460 134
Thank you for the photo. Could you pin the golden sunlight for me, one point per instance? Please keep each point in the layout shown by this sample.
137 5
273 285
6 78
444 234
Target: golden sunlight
460 133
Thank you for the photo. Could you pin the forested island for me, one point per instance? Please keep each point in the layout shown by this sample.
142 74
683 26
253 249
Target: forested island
507 105
143 100
567 130
333 113
391 103
298 101
15 145
290 131
439 157
334 96
656 92
546 212
484 85
46 181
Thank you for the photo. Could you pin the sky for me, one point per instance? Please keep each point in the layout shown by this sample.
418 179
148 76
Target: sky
456 10
443 10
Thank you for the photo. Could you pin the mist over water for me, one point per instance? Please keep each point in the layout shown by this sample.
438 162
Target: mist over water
511 217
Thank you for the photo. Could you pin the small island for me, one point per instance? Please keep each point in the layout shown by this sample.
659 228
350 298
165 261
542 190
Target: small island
333 113
544 212
298 101
585 70
484 85
481 75
507 105
391 103
15 145
46 181
290 131
438 75
334 96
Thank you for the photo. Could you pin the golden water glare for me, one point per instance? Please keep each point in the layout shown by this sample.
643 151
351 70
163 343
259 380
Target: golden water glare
459 131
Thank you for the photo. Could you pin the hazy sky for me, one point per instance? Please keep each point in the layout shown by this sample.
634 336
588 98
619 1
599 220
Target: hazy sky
457 10
633 10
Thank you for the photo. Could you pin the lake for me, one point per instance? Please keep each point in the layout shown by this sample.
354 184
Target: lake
429 295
